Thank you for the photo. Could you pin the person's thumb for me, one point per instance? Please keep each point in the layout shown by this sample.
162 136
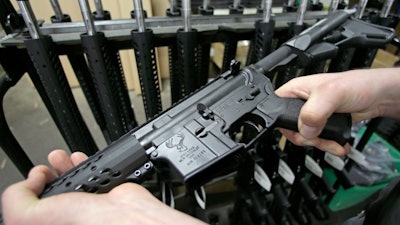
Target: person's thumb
315 113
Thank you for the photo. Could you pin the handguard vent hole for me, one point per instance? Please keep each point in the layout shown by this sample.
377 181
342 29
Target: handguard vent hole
105 171
105 182
116 174
98 158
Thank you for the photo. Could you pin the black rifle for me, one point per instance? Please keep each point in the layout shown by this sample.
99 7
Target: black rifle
366 55
204 47
230 44
176 94
107 74
251 205
302 196
289 72
142 42
320 185
192 138
82 73
273 157
191 142
59 101
318 64
344 56
187 45
261 45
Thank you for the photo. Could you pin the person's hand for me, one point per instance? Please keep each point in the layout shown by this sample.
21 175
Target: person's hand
363 93
126 204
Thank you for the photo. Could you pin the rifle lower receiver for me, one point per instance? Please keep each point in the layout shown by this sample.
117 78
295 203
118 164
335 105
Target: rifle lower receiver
200 137
195 138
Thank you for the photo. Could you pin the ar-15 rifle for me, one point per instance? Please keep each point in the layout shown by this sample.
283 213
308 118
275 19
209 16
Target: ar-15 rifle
53 85
192 141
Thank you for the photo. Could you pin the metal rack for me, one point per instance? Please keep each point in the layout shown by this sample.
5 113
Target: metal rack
93 46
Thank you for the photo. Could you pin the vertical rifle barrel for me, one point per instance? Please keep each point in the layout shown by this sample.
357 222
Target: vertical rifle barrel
333 6
30 19
236 4
173 5
267 10
386 8
206 3
57 9
301 12
99 8
186 11
87 17
139 15
361 8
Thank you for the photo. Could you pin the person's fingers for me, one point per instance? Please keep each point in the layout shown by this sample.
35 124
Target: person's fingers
318 108
331 146
78 157
42 169
300 87
322 144
20 197
60 161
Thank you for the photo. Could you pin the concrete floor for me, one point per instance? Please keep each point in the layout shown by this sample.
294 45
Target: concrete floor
35 130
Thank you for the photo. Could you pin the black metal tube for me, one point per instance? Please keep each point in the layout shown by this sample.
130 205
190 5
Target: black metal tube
289 72
230 45
188 57
82 73
263 38
230 48
142 41
61 102
107 74
176 93
187 42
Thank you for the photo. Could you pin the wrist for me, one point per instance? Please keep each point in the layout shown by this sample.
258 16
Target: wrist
389 96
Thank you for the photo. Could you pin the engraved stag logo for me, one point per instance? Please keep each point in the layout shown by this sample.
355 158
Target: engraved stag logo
177 141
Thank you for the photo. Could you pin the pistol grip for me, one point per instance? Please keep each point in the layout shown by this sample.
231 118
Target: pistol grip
285 114
337 127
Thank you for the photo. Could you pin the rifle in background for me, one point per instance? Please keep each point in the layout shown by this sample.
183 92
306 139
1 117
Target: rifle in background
142 42
108 77
58 99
